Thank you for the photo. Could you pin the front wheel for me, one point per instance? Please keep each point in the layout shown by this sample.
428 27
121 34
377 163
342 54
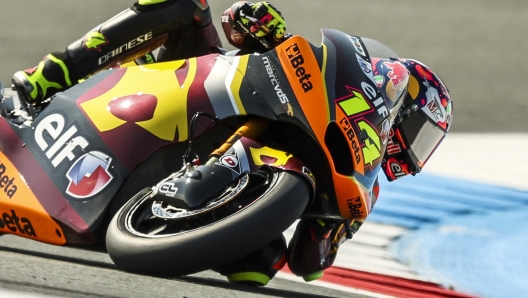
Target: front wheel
147 236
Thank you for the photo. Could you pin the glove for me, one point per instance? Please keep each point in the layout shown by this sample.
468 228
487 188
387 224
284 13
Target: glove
262 21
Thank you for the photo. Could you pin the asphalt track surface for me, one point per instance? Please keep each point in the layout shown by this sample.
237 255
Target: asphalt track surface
476 46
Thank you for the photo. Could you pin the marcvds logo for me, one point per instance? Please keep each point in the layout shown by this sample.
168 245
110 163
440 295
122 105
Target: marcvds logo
267 64
89 175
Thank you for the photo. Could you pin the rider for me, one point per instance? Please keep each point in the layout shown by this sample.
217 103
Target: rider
420 103
183 29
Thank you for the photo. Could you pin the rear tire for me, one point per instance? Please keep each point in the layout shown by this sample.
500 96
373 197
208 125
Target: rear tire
264 212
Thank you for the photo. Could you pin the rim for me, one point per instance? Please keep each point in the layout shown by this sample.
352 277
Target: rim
150 218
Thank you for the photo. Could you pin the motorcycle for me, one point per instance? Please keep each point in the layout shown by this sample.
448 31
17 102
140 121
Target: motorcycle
183 166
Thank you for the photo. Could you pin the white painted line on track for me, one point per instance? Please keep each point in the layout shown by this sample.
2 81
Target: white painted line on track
291 277
15 294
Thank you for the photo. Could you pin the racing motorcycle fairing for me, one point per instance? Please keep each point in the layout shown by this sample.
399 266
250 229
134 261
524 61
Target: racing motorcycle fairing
294 83
94 137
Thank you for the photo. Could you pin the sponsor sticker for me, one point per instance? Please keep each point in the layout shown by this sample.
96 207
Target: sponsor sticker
366 67
169 189
297 61
89 175
229 161
273 79
357 45
16 224
63 141
19 208
397 74
355 207
8 184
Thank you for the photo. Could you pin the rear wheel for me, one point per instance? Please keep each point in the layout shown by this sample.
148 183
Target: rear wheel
149 236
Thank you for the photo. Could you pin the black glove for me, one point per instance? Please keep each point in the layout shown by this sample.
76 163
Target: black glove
263 22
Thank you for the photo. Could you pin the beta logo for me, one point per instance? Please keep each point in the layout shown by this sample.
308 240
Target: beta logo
7 184
89 175
349 131
15 224
297 60
355 206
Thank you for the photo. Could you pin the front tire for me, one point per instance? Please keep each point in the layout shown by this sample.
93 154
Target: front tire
205 241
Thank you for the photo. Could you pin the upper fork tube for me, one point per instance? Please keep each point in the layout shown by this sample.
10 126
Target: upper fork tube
251 129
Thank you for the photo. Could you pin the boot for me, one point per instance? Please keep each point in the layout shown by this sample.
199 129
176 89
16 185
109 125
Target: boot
310 249
50 76
313 247
259 267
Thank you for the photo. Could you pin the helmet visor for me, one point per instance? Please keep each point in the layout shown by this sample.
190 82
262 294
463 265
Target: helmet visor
422 136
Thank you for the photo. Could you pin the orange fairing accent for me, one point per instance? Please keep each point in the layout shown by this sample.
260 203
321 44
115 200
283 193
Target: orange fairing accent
20 211
354 202
305 77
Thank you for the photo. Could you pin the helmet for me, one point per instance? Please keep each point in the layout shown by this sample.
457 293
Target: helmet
421 119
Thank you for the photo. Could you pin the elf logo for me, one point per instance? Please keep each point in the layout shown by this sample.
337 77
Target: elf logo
62 143
16 224
89 175
297 60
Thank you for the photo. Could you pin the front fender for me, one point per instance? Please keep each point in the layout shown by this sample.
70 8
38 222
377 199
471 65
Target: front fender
247 155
